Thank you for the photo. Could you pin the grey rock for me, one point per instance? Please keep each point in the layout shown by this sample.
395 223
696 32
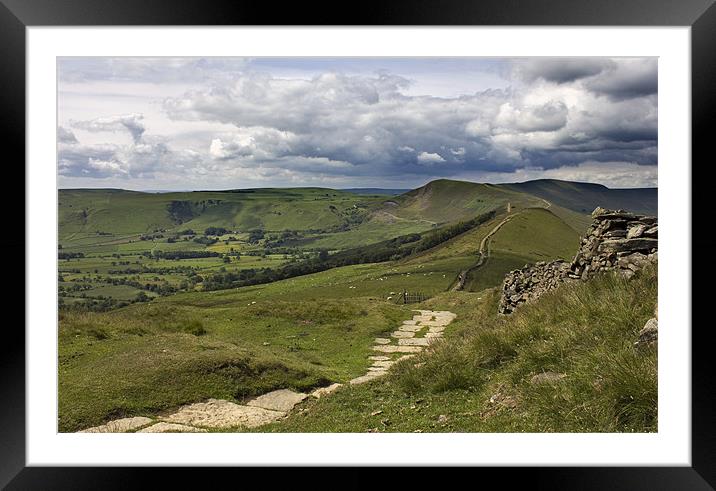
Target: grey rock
649 333
278 400
636 231
621 245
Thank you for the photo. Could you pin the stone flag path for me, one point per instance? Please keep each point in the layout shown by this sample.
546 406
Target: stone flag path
410 338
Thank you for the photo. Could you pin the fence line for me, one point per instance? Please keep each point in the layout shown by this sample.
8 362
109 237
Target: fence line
414 297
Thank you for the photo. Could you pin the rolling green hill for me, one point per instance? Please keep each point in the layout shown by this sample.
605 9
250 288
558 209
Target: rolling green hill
529 236
342 217
167 340
445 200
127 212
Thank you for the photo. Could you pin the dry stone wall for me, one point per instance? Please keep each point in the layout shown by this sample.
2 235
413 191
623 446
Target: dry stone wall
616 241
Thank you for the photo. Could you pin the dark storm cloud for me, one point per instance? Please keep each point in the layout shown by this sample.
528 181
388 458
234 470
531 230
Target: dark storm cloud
558 113
562 70
636 78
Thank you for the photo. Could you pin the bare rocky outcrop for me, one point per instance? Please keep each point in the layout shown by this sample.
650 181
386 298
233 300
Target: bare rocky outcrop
617 241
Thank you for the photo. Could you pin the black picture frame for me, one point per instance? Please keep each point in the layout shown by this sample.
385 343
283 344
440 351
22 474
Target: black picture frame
16 15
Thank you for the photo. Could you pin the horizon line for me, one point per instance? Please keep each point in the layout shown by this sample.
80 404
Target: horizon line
199 190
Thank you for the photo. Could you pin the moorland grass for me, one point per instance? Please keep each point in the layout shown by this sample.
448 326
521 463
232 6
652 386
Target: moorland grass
585 331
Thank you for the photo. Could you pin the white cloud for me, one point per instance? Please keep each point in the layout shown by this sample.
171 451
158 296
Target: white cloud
429 158
550 116
546 114
65 136
126 122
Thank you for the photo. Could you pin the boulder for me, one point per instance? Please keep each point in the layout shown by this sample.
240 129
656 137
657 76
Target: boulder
621 245
636 231
648 334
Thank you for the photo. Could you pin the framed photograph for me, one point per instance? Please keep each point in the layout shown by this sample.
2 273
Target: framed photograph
418 235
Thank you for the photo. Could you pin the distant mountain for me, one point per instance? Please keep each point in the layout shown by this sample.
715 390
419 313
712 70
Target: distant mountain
584 197
386 192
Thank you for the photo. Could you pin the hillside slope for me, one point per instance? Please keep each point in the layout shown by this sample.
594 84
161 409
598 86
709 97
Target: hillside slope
342 216
127 212
529 236
484 376
446 200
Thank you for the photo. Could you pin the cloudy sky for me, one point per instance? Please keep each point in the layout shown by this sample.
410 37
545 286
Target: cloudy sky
221 123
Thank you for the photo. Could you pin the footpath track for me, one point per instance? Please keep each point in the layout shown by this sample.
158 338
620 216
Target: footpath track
412 337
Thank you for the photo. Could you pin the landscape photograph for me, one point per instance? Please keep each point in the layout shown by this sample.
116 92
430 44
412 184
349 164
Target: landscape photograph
352 245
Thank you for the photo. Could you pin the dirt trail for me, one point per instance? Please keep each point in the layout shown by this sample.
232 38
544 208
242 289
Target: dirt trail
222 414
484 252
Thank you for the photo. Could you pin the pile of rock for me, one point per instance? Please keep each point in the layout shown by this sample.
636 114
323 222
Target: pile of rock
616 241
530 282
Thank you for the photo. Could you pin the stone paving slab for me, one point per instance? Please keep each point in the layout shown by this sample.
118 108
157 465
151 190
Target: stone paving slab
164 427
413 342
120 425
367 377
398 349
410 328
324 391
402 334
216 413
278 400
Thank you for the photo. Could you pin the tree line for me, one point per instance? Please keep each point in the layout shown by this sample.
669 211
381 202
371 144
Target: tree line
388 250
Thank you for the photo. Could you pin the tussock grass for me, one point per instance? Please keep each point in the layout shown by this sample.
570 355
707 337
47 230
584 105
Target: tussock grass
584 331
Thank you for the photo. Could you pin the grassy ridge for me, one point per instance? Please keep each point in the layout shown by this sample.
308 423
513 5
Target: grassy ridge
584 331
537 235
445 200
584 197
530 236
